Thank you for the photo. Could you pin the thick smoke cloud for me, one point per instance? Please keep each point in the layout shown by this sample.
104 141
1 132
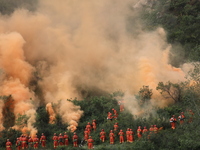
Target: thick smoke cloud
78 45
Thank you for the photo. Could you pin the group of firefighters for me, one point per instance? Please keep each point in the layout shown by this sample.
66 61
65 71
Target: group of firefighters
181 118
24 142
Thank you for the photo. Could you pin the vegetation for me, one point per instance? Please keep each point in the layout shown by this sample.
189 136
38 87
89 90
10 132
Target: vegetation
181 20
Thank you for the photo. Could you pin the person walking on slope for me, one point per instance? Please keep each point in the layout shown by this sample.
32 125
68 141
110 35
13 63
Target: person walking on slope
18 144
116 127
112 137
139 132
43 140
8 145
128 135
181 118
55 141
173 122
102 135
75 140
121 136
30 142
90 143
66 139
94 125
88 127
115 114
109 117
131 136
86 134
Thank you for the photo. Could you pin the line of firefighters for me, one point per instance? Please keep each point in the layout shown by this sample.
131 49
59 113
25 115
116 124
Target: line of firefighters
24 142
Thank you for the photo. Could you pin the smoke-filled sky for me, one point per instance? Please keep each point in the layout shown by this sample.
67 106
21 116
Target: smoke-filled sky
76 46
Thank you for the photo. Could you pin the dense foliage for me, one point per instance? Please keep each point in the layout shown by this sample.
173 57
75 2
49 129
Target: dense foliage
181 20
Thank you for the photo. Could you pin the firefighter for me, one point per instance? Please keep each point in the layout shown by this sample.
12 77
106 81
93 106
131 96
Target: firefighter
88 127
139 132
173 122
181 118
155 129
30 142
43 140
75 140
102 135
36 142
121 106
90 143
131 136
191 114
145 130
23 141
112 137
18 144
121 136
115 114
94 125
151 130
8 145
127 135
116 127
55 141
86 134
60 139
109 117
66 139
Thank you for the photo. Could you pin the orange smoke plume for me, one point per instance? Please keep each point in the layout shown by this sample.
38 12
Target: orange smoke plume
52 115
95 46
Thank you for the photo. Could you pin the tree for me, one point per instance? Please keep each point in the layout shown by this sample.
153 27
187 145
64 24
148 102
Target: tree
145 94
170 91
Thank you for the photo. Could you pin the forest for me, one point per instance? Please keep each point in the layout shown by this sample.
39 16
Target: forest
181 21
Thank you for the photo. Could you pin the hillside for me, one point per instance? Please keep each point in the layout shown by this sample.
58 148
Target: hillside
65 64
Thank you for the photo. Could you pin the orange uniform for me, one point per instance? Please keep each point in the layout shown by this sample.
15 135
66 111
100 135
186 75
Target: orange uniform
173 122
116 127
181 118
8 145
36 142
55 141
43 140
30 142
131 137
23 142
155 129
90 143
66 139
151 130
139 132
60 139
121 136
86 134
115 114
109 117
128 135
18 144
94 125
102 135
145 130
121 106
75 140
112 137
88 127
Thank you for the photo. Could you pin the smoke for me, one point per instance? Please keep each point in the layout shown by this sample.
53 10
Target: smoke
78 45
